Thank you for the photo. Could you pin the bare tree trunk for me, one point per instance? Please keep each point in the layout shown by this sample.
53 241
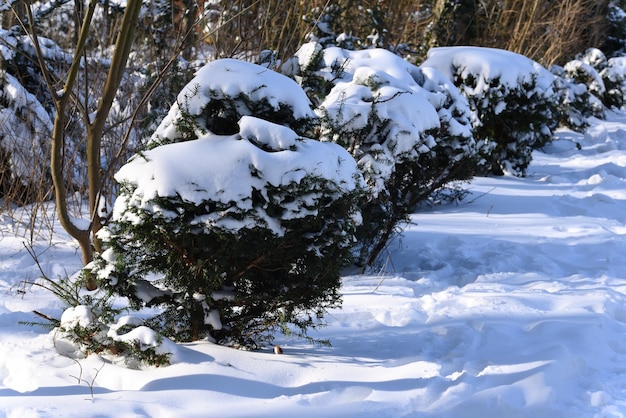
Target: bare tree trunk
61 101
95 129
95 126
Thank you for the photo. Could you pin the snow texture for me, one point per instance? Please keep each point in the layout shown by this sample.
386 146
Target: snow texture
510 303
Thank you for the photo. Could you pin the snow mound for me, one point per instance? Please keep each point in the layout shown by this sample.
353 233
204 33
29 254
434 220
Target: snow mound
230 170
486 64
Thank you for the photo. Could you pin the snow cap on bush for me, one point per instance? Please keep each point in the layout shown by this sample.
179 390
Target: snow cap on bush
512 98
234 172
487 64
225 90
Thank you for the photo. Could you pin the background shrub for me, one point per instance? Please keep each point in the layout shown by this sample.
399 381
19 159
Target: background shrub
576 103
514 111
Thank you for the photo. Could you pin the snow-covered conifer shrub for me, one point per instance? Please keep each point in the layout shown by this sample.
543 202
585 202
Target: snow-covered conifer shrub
586 70
512 100
232 222
409 130
614 76
576 103
605 78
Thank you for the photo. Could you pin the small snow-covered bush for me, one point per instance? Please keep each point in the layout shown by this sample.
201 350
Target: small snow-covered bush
91 324
605 78
408 129
614 76
83 331
232 222
223 92
576 103
512 100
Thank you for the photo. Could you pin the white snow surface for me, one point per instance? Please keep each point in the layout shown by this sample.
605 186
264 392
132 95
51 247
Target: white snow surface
487 64
510 303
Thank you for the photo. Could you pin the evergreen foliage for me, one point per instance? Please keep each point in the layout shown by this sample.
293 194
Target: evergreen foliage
410 133
514 123
235 262
513 113
576 103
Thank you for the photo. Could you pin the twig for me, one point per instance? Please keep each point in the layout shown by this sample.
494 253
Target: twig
489 211
80 374
91 383
55 321
388 260
481 195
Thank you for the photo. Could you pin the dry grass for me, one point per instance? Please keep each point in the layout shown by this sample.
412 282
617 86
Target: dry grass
246 27
548 32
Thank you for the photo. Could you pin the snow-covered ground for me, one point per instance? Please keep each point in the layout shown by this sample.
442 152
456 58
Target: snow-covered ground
510 303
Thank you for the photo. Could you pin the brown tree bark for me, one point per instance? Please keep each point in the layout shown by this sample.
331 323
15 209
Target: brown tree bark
95 125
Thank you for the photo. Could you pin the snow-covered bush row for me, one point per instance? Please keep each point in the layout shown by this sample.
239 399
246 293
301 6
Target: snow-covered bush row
605 78
245 223
409 130
512 98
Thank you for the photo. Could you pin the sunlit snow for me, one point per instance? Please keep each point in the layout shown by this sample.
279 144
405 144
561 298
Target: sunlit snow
509 303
